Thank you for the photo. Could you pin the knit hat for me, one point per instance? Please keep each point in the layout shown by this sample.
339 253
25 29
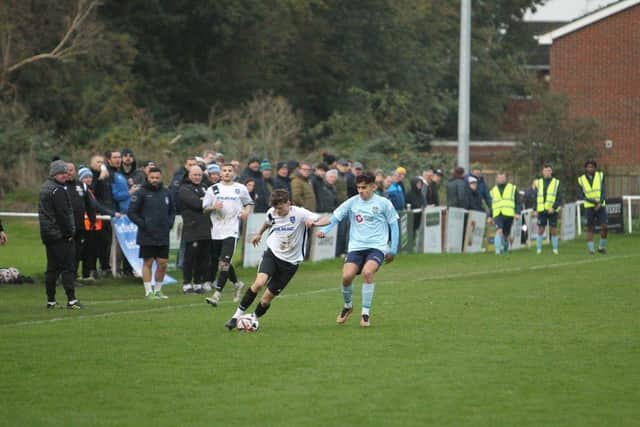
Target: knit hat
57 167
84 172
213 168
281 165
265 165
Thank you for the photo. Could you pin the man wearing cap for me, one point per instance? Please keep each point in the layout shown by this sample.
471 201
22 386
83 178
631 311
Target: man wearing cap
130 171
591 189
282 181
433 187
253 171
57 229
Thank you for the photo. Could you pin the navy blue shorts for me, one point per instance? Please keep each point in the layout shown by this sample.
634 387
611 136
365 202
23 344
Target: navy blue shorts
360 258
546 217
596 216
156 252
503 222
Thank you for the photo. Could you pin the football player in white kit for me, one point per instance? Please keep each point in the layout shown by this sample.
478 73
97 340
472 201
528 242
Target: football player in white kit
285 251
229 203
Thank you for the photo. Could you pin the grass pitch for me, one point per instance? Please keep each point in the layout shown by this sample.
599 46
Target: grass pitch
455 340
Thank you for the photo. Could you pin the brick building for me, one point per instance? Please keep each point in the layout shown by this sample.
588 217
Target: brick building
595 61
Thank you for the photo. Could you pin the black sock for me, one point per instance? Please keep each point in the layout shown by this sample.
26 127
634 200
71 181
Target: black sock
247 299
261 309
222 280
232 274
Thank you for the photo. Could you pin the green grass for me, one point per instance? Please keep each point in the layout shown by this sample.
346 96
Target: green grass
455 340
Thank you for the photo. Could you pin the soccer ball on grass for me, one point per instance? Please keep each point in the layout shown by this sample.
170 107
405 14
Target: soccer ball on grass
248 323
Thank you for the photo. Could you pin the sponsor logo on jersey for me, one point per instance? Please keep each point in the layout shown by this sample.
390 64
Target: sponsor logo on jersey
359 219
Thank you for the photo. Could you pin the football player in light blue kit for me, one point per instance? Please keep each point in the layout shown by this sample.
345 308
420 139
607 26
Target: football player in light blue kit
371 217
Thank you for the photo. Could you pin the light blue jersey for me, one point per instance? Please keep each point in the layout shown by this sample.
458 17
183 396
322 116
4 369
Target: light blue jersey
370 220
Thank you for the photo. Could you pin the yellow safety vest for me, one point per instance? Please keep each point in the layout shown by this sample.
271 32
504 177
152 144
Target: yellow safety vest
589 191
552 191
503 204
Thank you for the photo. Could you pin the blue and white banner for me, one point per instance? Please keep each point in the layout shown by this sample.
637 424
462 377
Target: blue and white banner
126 232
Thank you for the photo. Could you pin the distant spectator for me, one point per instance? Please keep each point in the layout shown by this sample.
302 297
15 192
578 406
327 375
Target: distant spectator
416 199
433 188
267 170
250 183
483 191
101 186
317 181
456 188
129 170
327 195
529 197
395 192
145 166
82 207
178 178
119 186
302 189
209 156
282 181
472 197
253 171
345 174
400 174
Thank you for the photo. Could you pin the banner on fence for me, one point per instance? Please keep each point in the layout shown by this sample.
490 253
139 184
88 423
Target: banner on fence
474 234
432 231
568 225
405 223
125 232
253 254
322 249
455 230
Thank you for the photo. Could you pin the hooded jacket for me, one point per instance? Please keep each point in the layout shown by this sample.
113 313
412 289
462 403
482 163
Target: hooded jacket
153 211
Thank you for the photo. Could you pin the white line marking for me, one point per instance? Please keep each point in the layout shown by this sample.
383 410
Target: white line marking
300 294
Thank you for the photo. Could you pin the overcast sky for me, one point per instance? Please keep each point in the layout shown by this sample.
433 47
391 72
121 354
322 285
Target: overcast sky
565 10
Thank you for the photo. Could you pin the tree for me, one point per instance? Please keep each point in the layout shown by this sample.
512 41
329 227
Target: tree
19 47
554 136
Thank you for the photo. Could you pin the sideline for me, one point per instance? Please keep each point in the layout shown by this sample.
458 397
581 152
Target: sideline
307 293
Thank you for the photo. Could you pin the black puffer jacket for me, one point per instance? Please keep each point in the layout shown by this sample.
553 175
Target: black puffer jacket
153 211
196 224
55 212
262 197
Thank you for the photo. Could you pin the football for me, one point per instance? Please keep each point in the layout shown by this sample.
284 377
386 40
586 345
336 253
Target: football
248 323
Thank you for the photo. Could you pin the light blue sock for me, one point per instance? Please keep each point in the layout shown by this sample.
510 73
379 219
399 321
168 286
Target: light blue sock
347 296
497 242
603 243
590 246
554 242
367 296
506 245
539 242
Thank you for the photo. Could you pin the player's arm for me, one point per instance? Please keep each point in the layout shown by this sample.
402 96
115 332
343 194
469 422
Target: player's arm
325 220
246 211
329 223
395 240
258 237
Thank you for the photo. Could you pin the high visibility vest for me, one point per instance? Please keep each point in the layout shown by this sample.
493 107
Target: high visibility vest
87 224
590 192
552 191
503 204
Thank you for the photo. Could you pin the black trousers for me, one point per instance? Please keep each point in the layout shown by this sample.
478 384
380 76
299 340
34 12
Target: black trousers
90 252
104 246
195 262
60 262
78 243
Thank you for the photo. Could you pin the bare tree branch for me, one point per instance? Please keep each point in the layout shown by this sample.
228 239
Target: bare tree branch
71 44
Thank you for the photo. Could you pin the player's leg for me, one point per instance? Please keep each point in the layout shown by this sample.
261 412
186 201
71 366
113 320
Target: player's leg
238 285
216 250
161 269
553 231
506 233
146 276
542 223
497 240
189 266
280 278
352 265
604 229
228 246
374 260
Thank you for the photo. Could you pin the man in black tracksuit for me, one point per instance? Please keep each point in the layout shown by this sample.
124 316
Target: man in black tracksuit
153 211
57 229
196 232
